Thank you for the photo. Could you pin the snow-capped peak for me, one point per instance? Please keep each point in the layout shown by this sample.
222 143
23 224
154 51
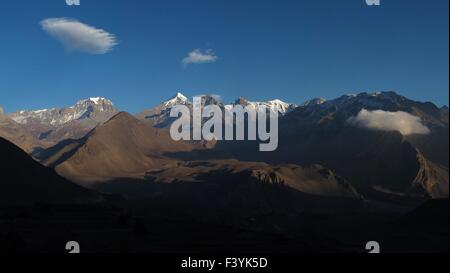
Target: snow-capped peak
96 100
375 100
282 106
178 98
38 111
87 108
315 101
277 101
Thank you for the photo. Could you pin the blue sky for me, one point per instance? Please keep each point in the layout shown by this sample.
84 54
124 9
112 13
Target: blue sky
293 50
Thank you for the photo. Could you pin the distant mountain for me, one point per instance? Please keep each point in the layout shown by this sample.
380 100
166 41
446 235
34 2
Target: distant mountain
338 111
159 115
25 181
350 104
282 106
57 124
97 109
321 133
316 101
380 164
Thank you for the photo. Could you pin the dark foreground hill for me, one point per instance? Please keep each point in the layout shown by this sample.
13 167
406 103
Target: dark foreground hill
25 181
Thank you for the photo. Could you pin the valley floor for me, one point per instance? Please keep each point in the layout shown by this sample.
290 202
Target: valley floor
162 228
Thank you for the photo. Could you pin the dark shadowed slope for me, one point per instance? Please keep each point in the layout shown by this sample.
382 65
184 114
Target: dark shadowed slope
25 181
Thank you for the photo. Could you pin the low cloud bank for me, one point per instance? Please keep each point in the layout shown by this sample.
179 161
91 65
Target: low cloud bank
400 121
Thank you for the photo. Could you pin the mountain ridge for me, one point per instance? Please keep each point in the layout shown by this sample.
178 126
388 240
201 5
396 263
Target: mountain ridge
159 114
57 124
316 132
25 181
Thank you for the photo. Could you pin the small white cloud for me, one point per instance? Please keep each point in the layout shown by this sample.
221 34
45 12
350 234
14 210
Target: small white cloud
77 36
400 121
198 57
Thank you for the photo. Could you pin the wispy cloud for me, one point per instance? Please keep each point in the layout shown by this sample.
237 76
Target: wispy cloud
77 36
198 56
400 121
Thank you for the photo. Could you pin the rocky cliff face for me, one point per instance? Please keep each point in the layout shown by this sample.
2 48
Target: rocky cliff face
432 178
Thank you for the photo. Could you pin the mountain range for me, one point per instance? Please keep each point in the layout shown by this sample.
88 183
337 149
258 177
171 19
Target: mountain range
159 116
50 126
378 146
380 162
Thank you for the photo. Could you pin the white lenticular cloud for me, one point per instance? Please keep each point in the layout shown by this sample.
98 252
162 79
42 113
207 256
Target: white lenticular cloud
77 36
198 57
400 121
